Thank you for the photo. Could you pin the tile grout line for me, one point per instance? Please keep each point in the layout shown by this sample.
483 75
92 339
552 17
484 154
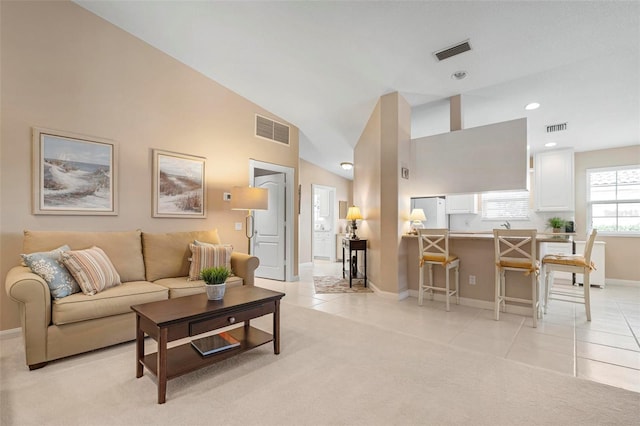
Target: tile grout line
513 340
628 324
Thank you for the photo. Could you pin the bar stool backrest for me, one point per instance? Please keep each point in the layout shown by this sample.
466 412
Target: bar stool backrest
588 248
433 244
515 248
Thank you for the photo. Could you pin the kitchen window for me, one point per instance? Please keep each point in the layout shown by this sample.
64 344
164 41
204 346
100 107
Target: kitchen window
613 199
505 205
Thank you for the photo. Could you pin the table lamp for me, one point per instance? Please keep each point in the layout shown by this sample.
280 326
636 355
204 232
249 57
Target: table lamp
249 198
416 217
354 214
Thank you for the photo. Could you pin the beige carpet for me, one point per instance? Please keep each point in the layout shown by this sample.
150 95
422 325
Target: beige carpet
331 371
329 284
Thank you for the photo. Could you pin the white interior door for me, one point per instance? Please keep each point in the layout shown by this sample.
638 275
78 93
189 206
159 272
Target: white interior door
269 240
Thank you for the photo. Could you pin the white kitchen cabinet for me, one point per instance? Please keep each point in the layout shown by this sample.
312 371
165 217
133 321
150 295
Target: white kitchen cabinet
323 246
597 257
554 186
462 204
559 248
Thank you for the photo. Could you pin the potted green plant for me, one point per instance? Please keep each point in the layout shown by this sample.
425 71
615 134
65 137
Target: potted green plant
215 281
556 223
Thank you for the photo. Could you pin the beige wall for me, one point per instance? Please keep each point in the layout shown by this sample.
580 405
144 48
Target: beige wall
310 175
621 253
64 68
383 148
366 191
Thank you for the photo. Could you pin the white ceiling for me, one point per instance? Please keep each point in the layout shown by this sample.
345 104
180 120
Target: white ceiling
323 65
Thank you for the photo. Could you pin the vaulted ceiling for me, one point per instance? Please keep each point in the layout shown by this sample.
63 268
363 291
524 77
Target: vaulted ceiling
323 65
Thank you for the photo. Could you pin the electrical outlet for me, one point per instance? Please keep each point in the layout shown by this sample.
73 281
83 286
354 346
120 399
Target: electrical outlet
238 226
472 280
226 196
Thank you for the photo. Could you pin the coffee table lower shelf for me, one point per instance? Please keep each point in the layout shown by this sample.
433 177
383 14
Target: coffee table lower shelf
185 358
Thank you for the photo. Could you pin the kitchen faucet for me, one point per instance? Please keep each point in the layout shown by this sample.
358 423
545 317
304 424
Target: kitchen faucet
506 225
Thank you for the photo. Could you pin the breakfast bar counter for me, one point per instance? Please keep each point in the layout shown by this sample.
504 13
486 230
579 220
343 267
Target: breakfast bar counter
476 253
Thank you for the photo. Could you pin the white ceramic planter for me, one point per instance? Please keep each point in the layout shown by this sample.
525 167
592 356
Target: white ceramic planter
215 291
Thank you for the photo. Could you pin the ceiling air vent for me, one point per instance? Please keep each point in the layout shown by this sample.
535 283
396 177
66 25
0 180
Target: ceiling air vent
453 50
556 127
272 130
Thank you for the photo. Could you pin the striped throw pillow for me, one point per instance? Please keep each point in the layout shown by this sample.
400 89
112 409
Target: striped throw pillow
208 256
92 269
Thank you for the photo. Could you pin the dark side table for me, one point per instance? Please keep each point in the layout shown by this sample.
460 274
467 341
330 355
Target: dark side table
350 246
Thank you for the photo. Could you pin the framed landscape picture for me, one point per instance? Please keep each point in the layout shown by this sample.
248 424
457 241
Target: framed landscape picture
178 185
73 174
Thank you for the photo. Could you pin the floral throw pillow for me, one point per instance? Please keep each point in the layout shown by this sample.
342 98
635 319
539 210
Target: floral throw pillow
49 266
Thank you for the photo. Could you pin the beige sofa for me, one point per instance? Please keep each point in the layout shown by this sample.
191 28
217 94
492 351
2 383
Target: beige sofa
152 266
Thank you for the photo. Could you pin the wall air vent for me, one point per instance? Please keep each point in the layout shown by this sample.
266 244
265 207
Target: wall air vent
453 50
272 130
556 127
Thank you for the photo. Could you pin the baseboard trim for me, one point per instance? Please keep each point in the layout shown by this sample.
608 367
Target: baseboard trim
12 332
475 303
387 294
628 283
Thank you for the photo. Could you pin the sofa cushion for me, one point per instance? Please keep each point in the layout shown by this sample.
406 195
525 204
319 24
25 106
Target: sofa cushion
123 248
182 286
112 301
92 269
208 256
49 266
166 255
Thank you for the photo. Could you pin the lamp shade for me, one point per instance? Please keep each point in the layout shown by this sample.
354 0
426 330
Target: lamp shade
248 198
354 213
417 214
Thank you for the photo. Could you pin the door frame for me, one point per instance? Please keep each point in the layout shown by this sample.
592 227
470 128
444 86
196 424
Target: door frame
289 197
334 208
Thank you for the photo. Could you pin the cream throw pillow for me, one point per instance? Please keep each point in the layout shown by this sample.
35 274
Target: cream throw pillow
204 255
92 269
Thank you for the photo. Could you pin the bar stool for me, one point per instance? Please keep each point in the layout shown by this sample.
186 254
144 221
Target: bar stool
577 264
515 250
434 250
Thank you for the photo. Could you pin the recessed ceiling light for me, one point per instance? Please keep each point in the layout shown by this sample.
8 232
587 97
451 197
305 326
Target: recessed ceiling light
532 106
459 75
346 165
550 144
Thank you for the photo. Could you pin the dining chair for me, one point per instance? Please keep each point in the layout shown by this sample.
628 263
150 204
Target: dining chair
515 250
576 264
434 250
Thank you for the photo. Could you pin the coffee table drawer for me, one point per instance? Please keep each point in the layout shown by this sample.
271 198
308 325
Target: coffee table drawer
202 326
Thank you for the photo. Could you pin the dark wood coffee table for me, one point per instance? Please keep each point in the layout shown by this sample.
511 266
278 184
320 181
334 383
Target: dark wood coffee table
174 319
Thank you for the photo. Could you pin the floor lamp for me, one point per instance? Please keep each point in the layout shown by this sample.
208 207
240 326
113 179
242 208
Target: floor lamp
249 198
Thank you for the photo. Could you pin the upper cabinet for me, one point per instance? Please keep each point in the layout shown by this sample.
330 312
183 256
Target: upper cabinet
462 204
554 187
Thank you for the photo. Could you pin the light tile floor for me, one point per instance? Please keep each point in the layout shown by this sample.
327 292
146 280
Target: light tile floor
605 350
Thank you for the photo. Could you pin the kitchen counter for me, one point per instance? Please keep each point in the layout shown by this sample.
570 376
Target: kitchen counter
542 237
476 253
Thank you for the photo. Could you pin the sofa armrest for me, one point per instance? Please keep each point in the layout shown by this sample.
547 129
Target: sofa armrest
34 299
244 266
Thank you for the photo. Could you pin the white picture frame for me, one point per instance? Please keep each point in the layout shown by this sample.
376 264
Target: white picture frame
73 174
179 186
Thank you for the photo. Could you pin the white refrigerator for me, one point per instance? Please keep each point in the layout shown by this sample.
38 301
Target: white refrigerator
434 209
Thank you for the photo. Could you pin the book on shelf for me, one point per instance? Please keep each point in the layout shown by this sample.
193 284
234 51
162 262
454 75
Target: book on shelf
213 344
